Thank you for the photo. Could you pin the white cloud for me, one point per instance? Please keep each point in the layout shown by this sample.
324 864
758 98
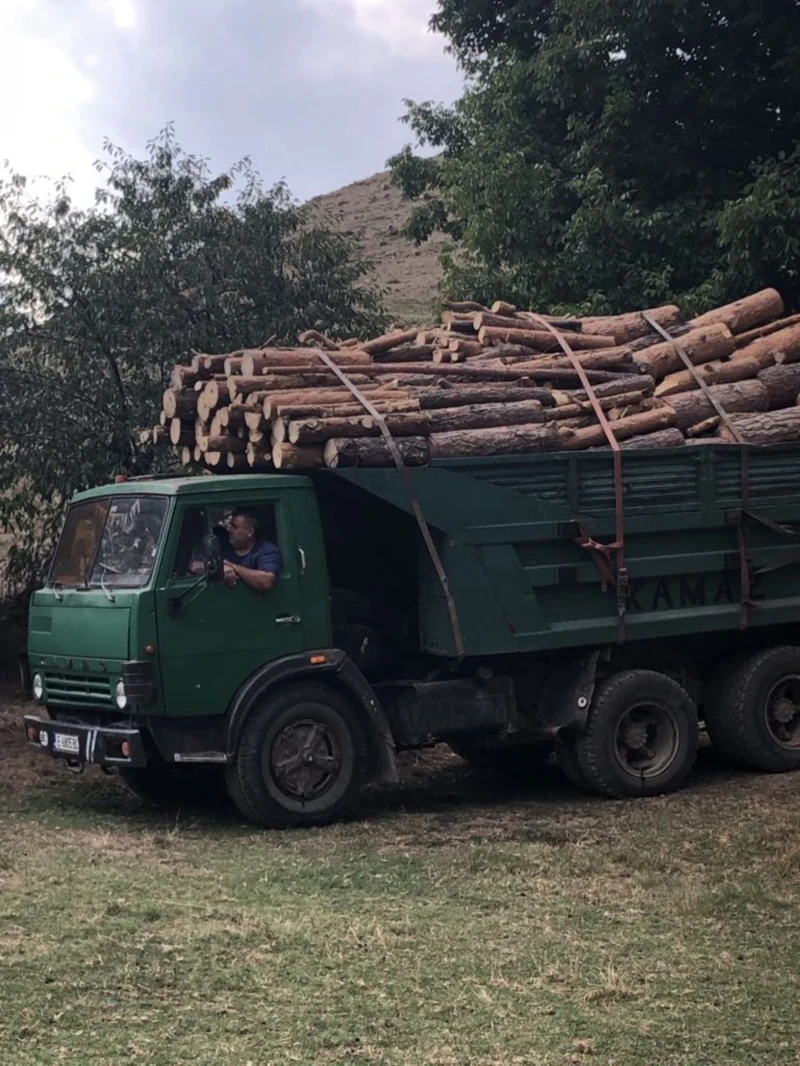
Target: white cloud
369 31
41 88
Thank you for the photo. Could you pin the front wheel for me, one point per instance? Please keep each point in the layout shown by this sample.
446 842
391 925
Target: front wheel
302 758
640 737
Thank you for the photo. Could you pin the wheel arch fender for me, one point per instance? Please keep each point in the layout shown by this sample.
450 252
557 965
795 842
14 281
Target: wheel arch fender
332 667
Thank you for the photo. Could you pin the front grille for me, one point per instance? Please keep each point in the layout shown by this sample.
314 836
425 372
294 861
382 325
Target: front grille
70 690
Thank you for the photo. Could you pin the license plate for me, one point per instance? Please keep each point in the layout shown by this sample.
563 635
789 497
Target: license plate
67 742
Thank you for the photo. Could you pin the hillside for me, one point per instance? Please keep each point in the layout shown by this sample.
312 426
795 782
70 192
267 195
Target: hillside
376 211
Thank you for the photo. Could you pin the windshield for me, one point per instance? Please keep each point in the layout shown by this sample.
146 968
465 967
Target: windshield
110 542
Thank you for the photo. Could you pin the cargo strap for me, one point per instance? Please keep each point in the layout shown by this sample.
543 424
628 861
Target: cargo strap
416 507
609 558
745 599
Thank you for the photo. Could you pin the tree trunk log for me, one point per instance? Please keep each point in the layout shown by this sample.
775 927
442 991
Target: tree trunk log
744 315
743 339
619 384
329 397
616 359
260 362
701 346
295 457
259 456
314 336
649 339
464 373
215 364
298 412
782 384
626 328
465 395
462 306
736 369
159 435
702 429
464 347
273 382
506 440
584 407
372 451
693 407
428 338
540 339
183 377
774 427
234 416
389 341
646 422
662 438
224 444
500 307
180 433
413 354
180 403
232 365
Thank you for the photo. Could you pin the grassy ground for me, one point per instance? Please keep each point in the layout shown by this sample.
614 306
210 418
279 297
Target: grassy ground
453 921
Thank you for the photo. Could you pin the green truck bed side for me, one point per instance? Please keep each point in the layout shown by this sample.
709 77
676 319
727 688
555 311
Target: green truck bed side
506 530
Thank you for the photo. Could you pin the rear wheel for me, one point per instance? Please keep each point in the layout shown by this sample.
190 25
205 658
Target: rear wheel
640 737
302 758
567 760
752 710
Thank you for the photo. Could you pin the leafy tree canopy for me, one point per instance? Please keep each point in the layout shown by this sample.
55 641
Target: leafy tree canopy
97 305
608 154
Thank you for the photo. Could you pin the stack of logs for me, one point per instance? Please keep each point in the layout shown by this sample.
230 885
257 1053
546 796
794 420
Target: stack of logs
491 382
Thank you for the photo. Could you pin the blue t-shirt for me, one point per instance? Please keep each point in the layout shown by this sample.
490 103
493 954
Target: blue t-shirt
262 556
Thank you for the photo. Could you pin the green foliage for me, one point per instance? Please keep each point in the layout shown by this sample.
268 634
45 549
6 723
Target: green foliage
611 154
96 306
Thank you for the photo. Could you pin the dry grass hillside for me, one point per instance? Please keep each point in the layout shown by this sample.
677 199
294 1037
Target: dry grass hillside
376 211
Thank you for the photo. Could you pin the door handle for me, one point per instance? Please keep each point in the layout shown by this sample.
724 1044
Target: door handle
288 620
302 555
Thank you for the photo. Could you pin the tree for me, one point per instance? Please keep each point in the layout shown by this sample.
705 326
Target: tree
607 155
97 305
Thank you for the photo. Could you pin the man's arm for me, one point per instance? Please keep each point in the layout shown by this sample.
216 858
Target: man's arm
259 580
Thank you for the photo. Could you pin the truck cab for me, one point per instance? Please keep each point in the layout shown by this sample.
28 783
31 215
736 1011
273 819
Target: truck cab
147 667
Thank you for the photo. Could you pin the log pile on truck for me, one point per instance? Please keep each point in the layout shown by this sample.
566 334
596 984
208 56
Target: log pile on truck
492 381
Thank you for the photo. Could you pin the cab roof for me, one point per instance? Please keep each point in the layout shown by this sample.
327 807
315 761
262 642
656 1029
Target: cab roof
206 485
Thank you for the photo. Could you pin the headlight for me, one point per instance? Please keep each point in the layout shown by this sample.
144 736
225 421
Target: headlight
37 686
120 696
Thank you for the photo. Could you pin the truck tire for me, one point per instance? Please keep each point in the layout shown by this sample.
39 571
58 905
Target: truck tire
641 736
516 760
567 761
302 758
752 710
164 785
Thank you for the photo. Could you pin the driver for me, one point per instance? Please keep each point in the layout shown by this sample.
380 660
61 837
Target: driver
256 563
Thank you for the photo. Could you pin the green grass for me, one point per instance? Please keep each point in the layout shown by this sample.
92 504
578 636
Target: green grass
452 922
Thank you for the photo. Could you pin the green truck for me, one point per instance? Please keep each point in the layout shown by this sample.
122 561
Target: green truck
508 606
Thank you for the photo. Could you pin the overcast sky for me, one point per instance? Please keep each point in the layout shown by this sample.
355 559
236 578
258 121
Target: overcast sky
312 90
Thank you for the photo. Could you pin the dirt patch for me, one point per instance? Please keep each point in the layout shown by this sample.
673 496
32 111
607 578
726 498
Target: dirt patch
376 211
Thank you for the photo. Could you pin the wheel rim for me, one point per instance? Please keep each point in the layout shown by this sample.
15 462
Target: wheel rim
782 712
305 759
646 739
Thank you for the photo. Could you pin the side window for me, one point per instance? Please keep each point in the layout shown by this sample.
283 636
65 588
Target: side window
264 515
190 544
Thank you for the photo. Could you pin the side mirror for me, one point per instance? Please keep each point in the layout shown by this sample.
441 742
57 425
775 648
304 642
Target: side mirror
212 559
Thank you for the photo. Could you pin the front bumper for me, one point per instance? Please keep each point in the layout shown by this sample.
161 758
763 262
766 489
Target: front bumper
80 744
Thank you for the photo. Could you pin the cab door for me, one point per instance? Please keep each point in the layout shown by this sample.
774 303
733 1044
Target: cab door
211 642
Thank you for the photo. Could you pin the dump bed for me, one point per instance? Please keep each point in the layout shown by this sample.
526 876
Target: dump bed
701 525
